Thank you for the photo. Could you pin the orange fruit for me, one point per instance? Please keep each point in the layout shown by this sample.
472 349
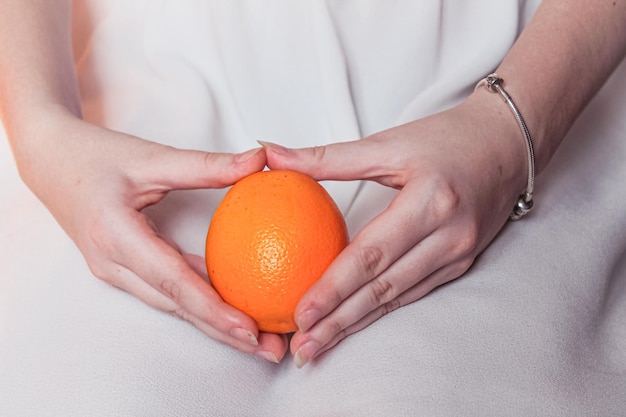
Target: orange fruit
271 237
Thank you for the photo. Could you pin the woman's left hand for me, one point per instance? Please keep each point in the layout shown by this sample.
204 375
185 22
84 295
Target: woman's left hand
459 173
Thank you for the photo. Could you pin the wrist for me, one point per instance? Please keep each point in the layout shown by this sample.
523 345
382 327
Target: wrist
501 140
37 138
32 128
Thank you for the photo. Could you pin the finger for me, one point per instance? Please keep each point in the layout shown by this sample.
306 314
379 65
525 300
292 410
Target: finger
431 254
172 168
165 269
368 158
198 264
305 348
270 346
379 244
126 280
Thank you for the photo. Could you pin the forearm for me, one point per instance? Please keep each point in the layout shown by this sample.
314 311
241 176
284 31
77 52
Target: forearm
559 62
36 65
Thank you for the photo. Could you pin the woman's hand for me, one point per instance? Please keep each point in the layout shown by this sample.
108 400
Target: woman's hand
459 176
96 182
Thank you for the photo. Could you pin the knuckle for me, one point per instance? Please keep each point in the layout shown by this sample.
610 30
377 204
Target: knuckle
381 291
467 242
101 237
180 313
328 297
463 265
342 334
371 259
101 272
331 295
209 159
445 202
330 329
335 327
171 289
319 152
390 306
101 265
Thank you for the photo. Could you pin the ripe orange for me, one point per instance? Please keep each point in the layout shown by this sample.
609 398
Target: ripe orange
271 237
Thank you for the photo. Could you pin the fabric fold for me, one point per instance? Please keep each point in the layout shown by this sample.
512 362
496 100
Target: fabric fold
536 326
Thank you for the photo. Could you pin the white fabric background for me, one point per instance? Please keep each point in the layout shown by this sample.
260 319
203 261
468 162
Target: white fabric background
536 327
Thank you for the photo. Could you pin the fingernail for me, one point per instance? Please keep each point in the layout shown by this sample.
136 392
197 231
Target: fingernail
244 335
244 156
307 320
305 353
268 356
273 147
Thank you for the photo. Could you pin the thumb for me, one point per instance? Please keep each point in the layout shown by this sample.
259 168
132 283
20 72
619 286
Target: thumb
191 169
345 161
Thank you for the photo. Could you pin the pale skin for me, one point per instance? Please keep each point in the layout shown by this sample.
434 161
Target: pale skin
459 173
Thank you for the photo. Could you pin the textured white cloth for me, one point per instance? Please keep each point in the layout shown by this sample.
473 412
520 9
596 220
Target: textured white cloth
536 327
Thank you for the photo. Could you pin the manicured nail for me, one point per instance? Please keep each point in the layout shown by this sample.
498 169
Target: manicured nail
305 353
268 356
244 335
273 147
244 156
307 320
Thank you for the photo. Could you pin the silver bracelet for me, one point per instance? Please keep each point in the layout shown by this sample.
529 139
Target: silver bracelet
494 83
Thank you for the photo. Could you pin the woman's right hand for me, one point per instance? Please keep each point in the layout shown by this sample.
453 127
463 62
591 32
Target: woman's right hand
96 182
